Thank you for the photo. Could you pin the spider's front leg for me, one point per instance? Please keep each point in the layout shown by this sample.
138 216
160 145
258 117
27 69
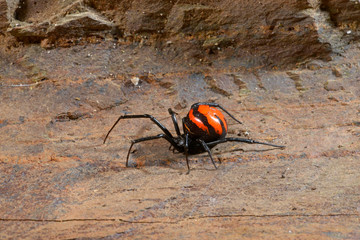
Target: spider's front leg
175 122
153 119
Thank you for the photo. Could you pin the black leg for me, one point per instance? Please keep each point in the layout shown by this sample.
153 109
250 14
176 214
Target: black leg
216 105
186 146
176 125
162 127
142 140
244 140
206 148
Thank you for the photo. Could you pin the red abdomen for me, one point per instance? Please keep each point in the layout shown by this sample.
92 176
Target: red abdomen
206 123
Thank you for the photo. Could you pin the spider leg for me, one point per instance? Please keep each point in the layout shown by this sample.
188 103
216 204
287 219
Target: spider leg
176 125
186 148
245 140
206 148
162 127
216 105
171 147
143 140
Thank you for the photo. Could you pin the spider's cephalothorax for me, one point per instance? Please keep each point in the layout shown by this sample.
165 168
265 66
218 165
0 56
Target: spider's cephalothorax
203 128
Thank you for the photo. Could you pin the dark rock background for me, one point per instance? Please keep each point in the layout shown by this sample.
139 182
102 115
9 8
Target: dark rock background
267 34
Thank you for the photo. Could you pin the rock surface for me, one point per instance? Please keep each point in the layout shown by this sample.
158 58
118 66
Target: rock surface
68 69
236 33
343 13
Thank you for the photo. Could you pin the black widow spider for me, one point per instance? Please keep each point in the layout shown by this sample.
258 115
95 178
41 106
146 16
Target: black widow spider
204 127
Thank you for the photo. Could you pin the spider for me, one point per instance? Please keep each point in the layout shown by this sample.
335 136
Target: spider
204 127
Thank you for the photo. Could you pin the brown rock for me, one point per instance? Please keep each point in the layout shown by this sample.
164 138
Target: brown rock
3 18
59 181
80 24
266 33
343 13
333 85
65 19
147 16
191 19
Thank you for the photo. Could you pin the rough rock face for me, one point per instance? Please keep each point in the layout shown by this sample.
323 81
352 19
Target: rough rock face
64 18
343 13
3 19
59 181
241 33
233 34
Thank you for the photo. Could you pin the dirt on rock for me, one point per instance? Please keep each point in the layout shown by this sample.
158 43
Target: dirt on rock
286 69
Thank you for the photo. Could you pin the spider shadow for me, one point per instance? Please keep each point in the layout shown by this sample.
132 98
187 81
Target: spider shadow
160 155
155 153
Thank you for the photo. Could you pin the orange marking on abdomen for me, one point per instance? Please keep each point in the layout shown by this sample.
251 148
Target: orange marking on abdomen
213 115
198 122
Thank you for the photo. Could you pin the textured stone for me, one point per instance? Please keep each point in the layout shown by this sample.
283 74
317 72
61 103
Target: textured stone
59 181
191 19
344 13
245 33
74 67
57 19
3 18
147 16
